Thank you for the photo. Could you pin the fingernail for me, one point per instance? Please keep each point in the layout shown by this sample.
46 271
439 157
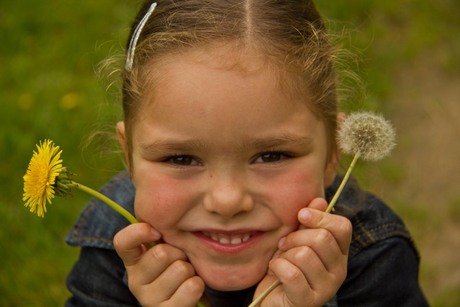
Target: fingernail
276 254
155 232
281 242
304 214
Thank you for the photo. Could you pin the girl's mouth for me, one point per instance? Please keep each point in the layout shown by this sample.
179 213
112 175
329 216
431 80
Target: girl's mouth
228 242
228 239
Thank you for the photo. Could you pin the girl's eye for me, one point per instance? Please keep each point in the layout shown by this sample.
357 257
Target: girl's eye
271 157
182 160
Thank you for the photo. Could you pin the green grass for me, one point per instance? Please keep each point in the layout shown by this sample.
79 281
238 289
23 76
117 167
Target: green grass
49 53
388 35
48 57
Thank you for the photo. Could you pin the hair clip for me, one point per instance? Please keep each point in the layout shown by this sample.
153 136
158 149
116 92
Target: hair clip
135 37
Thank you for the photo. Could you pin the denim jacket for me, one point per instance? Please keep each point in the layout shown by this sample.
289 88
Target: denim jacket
383 262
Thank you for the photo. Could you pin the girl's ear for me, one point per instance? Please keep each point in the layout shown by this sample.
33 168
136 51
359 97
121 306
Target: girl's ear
331 168
121 134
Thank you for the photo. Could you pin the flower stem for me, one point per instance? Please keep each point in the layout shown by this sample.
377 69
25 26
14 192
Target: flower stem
342 184
125 213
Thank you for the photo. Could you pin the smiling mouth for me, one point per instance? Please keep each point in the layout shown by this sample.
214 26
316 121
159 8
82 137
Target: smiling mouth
228 239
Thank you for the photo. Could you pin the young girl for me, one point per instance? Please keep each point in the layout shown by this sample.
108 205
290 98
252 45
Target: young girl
230 113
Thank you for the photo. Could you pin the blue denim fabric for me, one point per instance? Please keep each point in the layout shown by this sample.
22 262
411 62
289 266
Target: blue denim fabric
382 266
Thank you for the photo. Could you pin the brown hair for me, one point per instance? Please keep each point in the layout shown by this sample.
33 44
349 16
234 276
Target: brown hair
290 32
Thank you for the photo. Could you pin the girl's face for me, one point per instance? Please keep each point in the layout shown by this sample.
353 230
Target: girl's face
222 160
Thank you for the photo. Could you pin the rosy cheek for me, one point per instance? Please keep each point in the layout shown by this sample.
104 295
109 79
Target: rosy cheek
295 191
159 202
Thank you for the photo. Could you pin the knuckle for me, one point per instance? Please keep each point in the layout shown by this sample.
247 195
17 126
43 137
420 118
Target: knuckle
133 283
324 236
194 286
117 241
159 253
293 275
342 275
346 226
343 224
181 268
339 275
303 253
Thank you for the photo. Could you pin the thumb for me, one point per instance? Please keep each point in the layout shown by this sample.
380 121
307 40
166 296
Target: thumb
318 204
131 242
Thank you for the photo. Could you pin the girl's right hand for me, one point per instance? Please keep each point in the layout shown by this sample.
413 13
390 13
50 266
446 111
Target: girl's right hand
158 275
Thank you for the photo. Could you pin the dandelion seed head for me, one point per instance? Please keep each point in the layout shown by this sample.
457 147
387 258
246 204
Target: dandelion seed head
366 134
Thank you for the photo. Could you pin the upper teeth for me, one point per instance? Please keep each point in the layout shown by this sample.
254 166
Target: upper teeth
228 239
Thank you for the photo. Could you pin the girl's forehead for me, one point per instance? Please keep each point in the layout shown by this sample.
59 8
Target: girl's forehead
203 85
236 58
229 56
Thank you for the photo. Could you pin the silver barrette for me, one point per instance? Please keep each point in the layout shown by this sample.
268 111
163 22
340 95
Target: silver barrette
135 37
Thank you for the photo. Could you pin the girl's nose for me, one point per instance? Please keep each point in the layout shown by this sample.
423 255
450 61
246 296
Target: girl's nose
228 198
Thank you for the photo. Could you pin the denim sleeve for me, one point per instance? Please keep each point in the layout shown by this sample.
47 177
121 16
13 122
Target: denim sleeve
97 279
383 274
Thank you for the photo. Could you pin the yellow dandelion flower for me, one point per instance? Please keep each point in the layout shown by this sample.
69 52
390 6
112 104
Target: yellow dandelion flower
40 178
46 178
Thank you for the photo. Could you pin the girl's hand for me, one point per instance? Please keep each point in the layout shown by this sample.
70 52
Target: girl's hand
158 275
312 262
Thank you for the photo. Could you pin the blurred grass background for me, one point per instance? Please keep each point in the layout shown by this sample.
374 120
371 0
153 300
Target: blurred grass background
408 59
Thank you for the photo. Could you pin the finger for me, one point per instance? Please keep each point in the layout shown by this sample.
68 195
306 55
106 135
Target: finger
340 227
172 278
158 275
308 285
129 242
188 293
161 263
321 241
318 204
313 267
295 285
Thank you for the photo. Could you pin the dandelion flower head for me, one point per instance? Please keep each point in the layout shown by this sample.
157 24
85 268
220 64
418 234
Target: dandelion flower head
40 178
366 134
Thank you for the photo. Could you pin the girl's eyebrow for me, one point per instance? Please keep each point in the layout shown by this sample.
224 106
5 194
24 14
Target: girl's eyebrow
166 145
258 144
282 140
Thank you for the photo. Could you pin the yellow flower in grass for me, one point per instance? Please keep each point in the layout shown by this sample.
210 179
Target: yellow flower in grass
40 178
46 178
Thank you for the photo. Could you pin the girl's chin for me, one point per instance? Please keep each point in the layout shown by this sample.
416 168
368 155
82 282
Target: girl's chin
225 285
230 278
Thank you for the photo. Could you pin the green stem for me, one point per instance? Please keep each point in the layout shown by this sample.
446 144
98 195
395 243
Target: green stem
125 213
342 184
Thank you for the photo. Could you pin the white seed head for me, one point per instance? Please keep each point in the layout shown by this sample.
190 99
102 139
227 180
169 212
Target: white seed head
366 134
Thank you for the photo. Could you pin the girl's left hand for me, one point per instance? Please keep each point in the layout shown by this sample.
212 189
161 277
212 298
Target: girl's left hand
312 261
